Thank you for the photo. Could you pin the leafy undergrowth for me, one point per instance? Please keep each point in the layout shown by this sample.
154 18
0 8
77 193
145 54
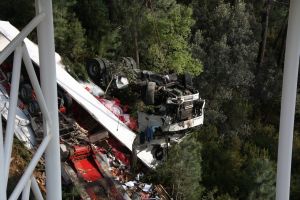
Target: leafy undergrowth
69 192
19 160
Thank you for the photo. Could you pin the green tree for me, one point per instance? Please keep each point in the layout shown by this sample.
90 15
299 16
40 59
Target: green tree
157 34
245 168
70 40
295 178
94 17
222 162
170 30
228 51
258 174
10 11
182 170
128 18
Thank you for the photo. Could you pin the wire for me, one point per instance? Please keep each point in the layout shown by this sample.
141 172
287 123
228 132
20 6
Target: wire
108 85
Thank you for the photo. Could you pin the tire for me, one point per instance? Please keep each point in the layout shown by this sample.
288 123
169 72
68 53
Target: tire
64 155
9 78
150 93
67 100
126 62
132 62
96 67
25 92
158 153
129 62
33 107
93 70
188 80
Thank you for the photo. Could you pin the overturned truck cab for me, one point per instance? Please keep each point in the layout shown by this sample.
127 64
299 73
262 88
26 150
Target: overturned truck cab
172 106
176 104
186 116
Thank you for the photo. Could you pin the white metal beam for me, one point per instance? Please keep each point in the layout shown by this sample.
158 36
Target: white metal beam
30 168
26 191
45 32
35 189
288 102
20 37
2 184
10 127
36 85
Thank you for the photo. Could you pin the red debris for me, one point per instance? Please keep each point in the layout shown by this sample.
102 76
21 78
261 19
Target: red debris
85 164
118 110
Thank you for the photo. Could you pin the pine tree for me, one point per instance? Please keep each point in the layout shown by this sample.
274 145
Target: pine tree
258 174
228 51
182 170
94 17
157 34
70 40
170 30
10 11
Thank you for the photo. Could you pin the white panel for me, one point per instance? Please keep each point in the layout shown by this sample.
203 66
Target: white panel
3 42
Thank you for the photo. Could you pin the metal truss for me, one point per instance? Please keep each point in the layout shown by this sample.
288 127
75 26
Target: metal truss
47 98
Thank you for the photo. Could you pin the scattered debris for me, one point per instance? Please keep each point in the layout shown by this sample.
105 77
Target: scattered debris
93 158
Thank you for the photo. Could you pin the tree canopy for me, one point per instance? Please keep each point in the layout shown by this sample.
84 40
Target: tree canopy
235 49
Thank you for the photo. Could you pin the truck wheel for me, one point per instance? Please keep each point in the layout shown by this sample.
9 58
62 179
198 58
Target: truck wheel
132 62
25 92
9 77
93 70
33 107
126 62
65 152
129 62
188 80
158 153
67 100
150 93
96 67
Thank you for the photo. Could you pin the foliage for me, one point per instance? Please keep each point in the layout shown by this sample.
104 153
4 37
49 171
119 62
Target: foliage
93 15
228 51
70 192
258 175
233 156
182 170
170 31
245 168
10 11
70 41
158 33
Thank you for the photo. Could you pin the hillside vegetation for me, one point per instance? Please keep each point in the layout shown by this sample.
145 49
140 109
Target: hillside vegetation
235 49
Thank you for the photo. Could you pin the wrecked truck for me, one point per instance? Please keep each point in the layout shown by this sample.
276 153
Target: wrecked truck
177 105
96 114
172 106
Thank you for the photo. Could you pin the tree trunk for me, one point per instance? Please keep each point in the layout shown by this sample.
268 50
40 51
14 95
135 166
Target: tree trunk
137 58
265 23
262 49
